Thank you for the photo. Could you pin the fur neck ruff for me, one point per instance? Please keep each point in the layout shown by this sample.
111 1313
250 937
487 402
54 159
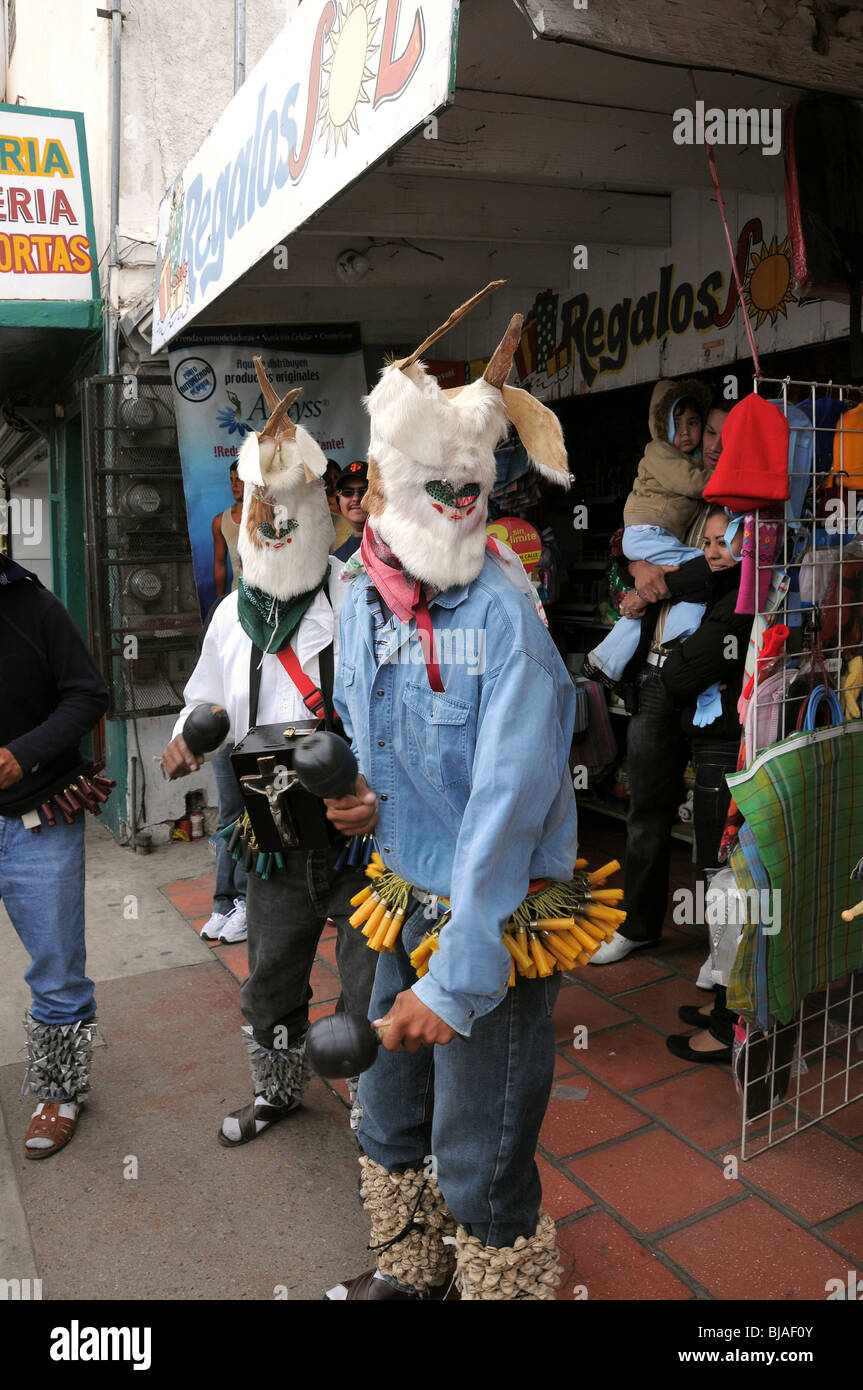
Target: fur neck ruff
431 469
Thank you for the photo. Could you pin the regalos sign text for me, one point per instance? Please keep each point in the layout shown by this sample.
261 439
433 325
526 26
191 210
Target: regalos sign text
46 234
344 82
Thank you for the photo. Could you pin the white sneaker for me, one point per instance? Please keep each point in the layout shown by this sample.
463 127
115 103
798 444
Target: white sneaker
618 948
234 928
213 925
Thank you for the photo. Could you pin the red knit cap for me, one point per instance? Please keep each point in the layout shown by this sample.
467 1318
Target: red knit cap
753 467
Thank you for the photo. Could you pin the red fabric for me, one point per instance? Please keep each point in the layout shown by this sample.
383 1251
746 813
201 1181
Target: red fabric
406 598
399 593
772 647
426 632
753 467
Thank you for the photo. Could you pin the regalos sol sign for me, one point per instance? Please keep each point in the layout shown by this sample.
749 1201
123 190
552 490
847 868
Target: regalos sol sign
344 82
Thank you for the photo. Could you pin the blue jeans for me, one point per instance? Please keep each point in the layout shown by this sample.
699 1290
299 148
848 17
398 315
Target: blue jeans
42 888
231 877
615 651
475 1105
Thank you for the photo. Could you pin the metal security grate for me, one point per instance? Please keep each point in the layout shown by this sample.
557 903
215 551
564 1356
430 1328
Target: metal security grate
144 607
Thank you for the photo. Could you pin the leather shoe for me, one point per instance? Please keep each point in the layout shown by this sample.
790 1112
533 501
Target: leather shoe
52 1129
678 1046
689 1014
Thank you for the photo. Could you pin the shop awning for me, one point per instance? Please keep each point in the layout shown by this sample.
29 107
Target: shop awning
339 88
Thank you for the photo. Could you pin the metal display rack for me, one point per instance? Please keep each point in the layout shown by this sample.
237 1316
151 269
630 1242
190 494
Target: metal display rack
794 1075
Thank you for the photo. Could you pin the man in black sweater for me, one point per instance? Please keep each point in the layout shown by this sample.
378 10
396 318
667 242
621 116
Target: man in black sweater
51 695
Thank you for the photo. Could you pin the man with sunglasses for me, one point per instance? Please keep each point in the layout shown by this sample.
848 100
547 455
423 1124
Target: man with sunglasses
351 485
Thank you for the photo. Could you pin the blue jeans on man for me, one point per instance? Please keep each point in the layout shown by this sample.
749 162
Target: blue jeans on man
231 877
42 889
481 1123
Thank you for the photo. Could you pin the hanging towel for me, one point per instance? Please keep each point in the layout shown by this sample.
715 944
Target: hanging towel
803 800
762 544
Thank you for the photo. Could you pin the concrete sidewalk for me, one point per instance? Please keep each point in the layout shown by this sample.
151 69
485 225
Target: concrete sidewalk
145 1204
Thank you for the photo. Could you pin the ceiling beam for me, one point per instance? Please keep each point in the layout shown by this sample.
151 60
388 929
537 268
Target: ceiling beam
790 41
383 317
391 204
526 140
312 262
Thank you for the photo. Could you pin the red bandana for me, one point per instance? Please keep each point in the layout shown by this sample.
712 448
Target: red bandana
399 592
407 598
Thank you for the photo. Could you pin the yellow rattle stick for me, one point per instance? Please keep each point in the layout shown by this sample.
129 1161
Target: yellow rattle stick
851 912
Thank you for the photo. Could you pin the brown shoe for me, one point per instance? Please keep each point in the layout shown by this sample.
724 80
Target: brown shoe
48 1124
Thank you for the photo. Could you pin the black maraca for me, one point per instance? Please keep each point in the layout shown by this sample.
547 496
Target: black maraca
342 1045
325 765
206 727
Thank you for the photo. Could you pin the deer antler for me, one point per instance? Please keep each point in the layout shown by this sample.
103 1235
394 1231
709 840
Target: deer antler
271 396
454 318
500 364
280 423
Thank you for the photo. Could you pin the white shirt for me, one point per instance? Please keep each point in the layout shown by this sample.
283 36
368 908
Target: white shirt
221 676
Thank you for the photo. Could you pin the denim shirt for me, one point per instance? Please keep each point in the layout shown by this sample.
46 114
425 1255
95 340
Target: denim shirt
473 787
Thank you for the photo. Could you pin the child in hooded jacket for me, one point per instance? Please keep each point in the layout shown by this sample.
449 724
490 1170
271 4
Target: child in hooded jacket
660 509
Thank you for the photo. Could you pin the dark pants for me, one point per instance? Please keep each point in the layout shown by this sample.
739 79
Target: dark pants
710 808
285 916
656 753
711 797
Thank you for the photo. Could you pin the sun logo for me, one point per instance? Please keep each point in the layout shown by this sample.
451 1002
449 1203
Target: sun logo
347 69
767 286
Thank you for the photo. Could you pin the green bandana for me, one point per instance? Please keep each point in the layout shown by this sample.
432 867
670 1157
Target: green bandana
268 621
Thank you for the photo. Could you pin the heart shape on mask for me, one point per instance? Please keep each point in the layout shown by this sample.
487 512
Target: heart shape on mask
443 495
269 535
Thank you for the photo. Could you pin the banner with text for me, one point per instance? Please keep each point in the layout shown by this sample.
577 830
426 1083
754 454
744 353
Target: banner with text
47 249
343 83
218 401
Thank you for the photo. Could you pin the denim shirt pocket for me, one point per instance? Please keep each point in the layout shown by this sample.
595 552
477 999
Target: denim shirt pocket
437 735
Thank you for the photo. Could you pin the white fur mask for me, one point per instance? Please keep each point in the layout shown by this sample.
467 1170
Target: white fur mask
431 457
286 529
435 462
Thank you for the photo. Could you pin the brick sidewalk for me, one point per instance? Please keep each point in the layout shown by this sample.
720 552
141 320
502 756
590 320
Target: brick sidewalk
633 1146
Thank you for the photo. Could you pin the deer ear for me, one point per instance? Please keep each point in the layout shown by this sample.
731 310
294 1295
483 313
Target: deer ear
539 430
313 457
249 460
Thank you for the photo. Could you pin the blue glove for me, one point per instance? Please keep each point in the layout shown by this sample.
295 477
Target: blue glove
708 706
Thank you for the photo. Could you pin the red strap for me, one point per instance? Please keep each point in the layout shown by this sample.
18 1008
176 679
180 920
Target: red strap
308 691
426 632
714 174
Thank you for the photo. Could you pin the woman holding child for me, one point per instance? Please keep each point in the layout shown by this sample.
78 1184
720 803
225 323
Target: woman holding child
682 556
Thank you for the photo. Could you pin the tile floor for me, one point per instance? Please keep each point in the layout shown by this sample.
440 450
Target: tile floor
639 1152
